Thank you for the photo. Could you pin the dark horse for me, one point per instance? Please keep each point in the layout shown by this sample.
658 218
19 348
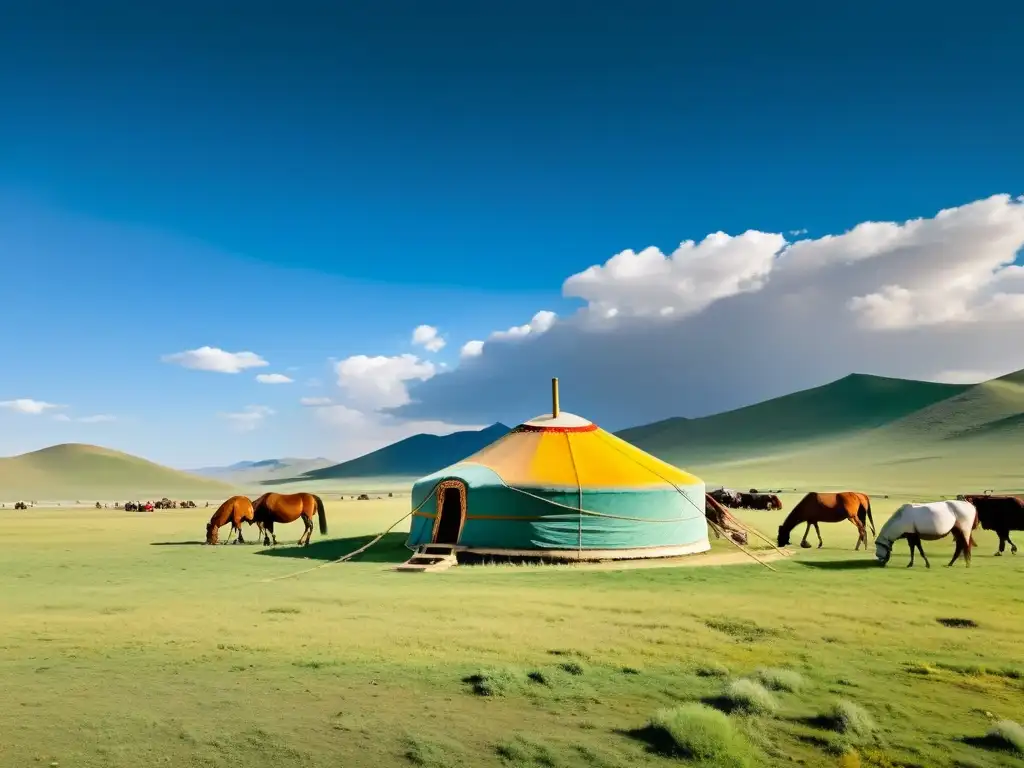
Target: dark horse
817 508
283 508
1001 514
234 511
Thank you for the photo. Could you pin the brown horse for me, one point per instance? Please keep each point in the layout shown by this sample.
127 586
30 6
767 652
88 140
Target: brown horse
282 508
817 508
234 511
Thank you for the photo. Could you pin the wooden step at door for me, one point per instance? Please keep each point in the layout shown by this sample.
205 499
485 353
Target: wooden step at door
430 557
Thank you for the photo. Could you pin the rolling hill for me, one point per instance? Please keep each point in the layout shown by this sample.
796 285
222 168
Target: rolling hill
247 473
972 440
851 405
412 457
90 473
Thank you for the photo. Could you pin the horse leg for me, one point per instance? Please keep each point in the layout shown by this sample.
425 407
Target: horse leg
862 533
308 533
1013 547
817 530
803 542
912 541
231 533
961 547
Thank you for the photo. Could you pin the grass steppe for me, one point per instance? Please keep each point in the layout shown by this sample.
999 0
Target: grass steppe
124 643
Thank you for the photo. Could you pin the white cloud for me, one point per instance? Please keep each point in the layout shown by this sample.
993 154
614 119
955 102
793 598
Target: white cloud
249 418
733 320
797 232
314 402
29 406
540 323
380 382
472 349
214 359
273 378
426 337
99 418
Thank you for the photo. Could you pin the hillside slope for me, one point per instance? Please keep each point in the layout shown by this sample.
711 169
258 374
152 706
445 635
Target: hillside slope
413 457
971 441
848 406
90 473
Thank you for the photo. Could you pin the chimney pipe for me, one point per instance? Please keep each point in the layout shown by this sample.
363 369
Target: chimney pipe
554 398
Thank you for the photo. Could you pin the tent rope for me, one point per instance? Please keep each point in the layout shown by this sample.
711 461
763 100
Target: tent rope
366 546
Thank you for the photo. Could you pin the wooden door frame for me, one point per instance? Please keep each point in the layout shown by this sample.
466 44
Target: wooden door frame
439 506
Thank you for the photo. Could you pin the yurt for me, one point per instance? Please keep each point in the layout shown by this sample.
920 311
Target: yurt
560 487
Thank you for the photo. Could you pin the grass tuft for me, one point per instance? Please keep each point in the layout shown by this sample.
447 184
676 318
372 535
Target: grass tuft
713 669
699 734
751 697
495 682
849 719
573 668
520 752
780 679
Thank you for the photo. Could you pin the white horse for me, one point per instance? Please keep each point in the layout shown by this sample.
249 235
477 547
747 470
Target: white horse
931 521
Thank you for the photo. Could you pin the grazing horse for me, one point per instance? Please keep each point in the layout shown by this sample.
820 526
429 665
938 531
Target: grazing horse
234 511
930 521
282 508
1001 514
817 508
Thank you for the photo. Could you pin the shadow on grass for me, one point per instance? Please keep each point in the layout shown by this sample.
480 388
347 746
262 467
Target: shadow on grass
175 543
390 549
991 743
840 565
656 740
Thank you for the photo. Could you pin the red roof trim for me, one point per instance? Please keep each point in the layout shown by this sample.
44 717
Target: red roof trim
535 428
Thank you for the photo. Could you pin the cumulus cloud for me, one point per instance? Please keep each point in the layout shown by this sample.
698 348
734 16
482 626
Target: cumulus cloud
249 418
426 336
273 378
731 320
540 323
472 349
214 359
381 382
29 406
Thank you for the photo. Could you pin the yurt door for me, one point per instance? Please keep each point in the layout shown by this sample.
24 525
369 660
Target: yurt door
451 512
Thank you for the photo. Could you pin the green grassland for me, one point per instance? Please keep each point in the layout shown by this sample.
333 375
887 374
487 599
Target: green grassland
124 643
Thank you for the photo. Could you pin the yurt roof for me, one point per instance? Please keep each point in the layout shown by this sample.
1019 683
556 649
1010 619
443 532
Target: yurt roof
561 450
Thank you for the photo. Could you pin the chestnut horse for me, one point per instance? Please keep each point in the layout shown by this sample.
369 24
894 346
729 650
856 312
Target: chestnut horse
234 511
817 508
283 508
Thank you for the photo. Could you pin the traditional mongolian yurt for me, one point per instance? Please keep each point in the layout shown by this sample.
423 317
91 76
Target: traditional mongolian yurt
558 486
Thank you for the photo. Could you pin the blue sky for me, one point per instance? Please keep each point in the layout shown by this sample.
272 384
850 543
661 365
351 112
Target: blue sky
311 182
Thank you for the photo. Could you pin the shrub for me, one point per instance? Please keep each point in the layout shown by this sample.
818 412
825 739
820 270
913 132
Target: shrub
751 697
573 668
699 734
1009 735
780 679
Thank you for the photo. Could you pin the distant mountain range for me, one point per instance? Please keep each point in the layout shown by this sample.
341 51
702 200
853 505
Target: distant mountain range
865 432
263 471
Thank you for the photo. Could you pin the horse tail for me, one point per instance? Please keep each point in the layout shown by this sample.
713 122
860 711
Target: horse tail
867 511
322 514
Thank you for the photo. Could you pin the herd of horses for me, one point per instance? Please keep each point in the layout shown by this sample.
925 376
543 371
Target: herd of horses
149 506
753 499
927 521
268 509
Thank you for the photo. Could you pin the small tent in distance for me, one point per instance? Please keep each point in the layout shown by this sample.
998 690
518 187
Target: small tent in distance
560 487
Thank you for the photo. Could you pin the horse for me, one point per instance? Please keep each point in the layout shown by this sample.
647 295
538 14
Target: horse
817 508
929 521
1001 514
282 508
234 511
